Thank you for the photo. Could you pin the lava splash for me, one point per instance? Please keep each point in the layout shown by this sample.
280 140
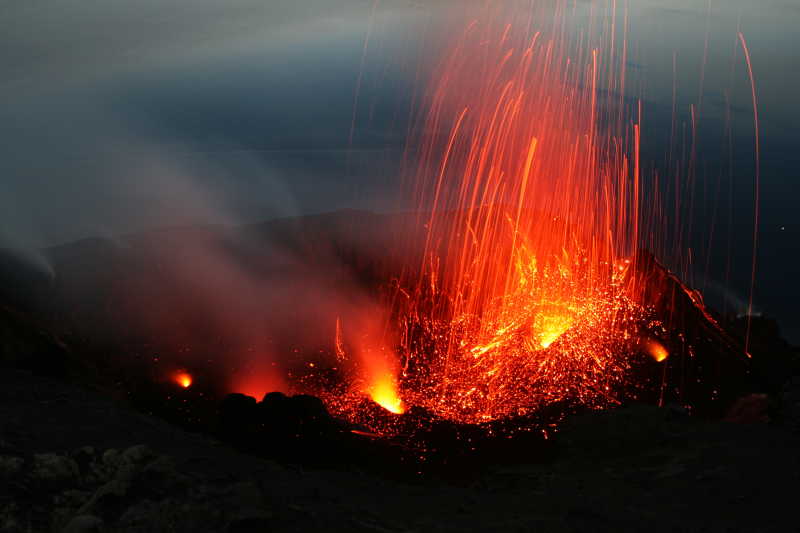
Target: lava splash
527 181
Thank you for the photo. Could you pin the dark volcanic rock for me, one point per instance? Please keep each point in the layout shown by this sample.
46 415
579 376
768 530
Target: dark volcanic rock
790 399
84 524
237 417
750 409
258 522
624 469
51 470
623 432
291 428
301 415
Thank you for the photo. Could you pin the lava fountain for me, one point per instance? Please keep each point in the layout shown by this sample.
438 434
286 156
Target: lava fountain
184 379
538 280
527 181
532 214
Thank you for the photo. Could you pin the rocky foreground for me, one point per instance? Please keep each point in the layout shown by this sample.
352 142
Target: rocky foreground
73 460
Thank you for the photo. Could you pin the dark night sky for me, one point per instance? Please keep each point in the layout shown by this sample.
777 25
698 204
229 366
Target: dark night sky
119 116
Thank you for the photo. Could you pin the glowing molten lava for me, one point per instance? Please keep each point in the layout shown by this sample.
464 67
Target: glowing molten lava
549 325
528 181
183 379
376 364
528 191
385 394
656 350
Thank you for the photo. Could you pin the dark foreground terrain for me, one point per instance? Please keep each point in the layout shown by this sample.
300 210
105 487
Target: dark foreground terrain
71 459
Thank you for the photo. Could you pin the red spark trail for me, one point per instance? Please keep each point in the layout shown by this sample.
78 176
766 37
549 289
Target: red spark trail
757 188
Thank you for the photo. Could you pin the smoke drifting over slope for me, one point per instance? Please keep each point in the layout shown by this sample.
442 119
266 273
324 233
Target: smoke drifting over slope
245 307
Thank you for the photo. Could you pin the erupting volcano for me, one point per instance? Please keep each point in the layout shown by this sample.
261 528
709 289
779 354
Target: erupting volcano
537 282
532 286
524 295
456 265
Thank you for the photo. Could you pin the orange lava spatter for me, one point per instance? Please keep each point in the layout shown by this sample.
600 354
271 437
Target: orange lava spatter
184 379
527 185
